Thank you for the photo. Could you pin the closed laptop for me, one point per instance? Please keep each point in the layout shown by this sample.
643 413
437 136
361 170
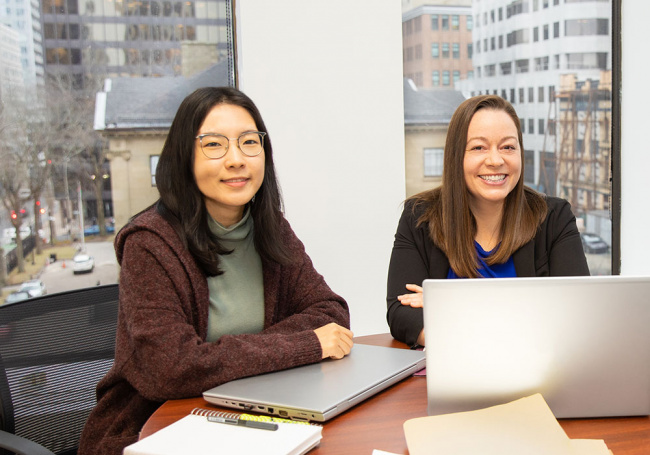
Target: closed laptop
320 391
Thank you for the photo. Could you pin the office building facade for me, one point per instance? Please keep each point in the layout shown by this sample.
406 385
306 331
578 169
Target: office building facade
23 16
88 41
437 43
10 68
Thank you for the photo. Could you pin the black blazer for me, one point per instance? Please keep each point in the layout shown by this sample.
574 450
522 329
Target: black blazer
556 250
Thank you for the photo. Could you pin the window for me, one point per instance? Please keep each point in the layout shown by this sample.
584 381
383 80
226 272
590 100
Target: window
556 30
506 68
455 49
435 78
521 95
492 43
469 22
512 95
531 126
445 50
445 77
521 66
469 50
540 94
523 124
490 71
435 22
546 31
435 50
456 76
433 160
153 163
529 166
587 60
535 34
445 22
531 95
580 27
541 63
455 22
540 126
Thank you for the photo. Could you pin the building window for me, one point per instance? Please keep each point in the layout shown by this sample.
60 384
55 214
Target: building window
531 94
541 63
490 71
531 126
506 68
445 50
469 50
435 22
540 94
469 22
587 60
470 74
456 76
546 31
556 30
455 22
580 27
522 99
433 161
522 122
529 166
536 34
500 41
540 126
445 77
435 50
521 66
512 95
492 43
435 78
455 49
445 22
153 163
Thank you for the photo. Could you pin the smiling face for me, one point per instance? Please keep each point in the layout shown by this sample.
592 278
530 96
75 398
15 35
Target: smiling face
492 160
230 182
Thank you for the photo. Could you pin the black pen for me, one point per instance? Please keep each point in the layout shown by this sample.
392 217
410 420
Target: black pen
244 423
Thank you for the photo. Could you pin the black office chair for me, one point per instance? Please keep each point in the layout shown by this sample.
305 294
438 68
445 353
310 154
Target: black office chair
53 351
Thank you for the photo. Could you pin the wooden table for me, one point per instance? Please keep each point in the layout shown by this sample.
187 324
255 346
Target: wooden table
377 422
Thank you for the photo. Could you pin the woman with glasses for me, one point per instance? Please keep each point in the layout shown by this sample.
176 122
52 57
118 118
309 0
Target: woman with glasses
482 221
214 284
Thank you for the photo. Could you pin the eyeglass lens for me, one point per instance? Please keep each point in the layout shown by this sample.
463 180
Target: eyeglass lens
216 145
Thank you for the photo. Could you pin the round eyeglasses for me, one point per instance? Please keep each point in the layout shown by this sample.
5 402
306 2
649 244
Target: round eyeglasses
215 146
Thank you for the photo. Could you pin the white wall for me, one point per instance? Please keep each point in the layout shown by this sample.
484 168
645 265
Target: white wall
635 153
327 77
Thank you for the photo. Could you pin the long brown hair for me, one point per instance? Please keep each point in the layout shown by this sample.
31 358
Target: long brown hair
452 225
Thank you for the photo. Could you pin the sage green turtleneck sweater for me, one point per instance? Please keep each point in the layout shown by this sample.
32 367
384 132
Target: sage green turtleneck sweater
237 295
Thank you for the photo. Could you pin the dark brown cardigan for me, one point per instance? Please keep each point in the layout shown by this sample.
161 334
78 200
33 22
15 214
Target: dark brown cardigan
161 352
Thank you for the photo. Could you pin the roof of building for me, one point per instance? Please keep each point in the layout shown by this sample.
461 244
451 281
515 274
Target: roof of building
145 103
428 107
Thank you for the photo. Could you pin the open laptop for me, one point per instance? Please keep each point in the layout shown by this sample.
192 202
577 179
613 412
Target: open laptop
582 342
320 391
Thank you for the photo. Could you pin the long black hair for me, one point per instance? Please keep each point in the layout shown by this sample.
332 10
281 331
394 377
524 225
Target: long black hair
182 204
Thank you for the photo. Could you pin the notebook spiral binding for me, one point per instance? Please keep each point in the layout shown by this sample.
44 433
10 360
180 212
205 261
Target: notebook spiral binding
234 415
213 413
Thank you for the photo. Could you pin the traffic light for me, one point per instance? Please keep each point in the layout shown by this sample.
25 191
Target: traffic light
13 215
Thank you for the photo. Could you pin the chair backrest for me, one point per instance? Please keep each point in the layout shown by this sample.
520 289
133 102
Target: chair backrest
53 351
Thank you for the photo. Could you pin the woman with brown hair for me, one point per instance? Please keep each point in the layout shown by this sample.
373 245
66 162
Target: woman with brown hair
482 221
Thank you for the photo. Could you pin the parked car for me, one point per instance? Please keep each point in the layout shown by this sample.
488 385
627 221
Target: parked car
593 244
82 263
35 288
94 229
17 296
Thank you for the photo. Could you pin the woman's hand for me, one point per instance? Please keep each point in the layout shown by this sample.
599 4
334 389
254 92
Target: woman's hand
414 298
335 340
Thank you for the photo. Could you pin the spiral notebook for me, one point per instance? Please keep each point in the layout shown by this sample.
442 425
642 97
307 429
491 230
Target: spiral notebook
197 435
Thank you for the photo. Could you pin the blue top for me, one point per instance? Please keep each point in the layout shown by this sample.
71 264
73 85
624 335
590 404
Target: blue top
505 270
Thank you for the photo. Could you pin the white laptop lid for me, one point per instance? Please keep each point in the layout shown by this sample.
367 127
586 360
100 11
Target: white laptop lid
582 342
320 391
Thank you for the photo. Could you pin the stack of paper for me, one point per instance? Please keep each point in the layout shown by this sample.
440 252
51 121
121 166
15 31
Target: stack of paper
195 435
522 426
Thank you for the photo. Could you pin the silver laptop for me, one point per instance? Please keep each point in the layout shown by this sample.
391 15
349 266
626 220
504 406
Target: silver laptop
320 391
582 342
